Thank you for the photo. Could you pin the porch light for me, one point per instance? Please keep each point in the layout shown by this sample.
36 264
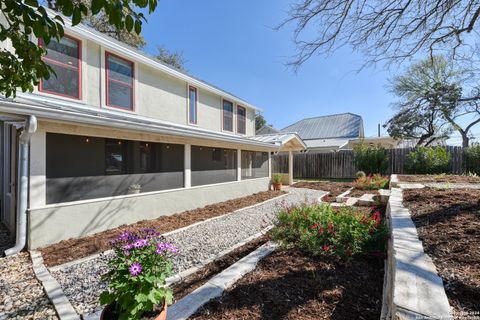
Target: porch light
87 139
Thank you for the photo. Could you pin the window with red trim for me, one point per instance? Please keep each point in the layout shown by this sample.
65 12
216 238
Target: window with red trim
192 105
64 58
227 116
120 82
241 120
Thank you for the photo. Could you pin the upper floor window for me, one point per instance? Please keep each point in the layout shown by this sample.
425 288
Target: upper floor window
227 116
192 105
241 122
64 57
120 82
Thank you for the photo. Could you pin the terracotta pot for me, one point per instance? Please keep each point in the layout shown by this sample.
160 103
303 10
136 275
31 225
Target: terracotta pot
277 186
107 313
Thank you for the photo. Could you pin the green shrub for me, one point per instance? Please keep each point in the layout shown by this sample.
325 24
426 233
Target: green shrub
322 230
375 182
276 178
370 159
428 160
472 159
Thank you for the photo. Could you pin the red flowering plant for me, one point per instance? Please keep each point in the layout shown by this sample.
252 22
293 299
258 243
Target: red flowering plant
138 270
372 182
321 229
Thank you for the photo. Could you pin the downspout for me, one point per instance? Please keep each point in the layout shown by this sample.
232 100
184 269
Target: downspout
22 190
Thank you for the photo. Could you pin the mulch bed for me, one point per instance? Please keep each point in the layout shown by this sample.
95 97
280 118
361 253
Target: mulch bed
72 249
439 178
448 223
334 188
200 277
291 285
357 193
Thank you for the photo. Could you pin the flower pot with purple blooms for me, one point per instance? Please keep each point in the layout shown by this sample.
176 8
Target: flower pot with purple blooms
137 276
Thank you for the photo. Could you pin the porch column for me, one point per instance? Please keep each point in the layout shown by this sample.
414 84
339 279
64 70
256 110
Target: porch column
38 167
239 164
269 164
290 167
187 173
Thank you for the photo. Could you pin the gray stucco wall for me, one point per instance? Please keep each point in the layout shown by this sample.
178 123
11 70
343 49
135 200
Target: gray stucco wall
54 223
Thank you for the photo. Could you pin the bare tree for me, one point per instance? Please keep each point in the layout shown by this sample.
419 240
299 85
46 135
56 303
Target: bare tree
384 30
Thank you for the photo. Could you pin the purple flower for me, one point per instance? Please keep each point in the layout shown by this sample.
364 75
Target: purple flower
135 269
127 247
140 243
166 248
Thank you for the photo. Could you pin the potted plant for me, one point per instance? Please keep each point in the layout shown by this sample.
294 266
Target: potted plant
134 188
137 277
277 181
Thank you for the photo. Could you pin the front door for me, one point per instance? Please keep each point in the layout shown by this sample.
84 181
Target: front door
9 161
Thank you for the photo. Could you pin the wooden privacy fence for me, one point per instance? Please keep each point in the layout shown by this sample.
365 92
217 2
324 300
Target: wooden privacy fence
340 165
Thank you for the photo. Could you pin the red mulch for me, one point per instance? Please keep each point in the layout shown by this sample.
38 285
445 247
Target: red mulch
357 193
448 223
334 188
439 178
291 285
72 249
200 277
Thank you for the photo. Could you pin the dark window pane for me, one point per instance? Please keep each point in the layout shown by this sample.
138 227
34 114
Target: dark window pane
66 51
227 115
192 105
241 124
213 165
120 95
115 157
64 81
119 69
254 164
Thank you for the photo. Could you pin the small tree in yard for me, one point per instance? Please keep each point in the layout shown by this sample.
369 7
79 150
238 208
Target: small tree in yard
371 160
472 155
428 160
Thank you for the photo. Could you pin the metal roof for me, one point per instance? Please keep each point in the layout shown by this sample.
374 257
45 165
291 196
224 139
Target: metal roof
344 125
266 129
58 109
326 143
279 138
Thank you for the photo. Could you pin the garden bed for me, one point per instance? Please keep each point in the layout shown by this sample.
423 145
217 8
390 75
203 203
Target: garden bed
357 193
292 285
438 178
448 223
334 188
199 278
73 249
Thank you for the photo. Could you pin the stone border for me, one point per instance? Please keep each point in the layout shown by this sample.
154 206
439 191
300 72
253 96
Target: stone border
214 288
97 255
52 288
413 289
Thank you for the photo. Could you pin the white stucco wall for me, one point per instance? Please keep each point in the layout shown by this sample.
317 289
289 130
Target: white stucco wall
53 223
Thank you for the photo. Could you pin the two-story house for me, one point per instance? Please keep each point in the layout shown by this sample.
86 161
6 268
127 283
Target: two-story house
117 137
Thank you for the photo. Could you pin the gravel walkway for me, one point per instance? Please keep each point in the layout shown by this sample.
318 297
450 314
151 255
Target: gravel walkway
21 295
81 282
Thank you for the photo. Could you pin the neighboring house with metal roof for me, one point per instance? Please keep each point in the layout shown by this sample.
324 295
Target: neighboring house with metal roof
115 137
266 129
328 133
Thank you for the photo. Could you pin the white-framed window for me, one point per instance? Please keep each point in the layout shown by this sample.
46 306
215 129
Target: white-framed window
241 120
227 116
192 105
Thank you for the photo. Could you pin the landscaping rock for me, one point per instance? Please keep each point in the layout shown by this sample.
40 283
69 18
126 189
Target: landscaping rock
366 200
81 282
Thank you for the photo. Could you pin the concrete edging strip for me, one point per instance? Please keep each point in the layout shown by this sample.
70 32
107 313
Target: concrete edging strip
413 288
64 309
214 288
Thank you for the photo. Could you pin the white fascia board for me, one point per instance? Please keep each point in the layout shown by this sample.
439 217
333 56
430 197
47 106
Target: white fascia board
129 123
97 37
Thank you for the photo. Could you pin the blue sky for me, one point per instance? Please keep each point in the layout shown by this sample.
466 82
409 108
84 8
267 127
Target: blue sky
232 44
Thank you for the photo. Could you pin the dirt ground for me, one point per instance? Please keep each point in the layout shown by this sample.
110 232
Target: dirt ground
334 188
291 285
200 277
448 223
439 178
357 193
72 249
